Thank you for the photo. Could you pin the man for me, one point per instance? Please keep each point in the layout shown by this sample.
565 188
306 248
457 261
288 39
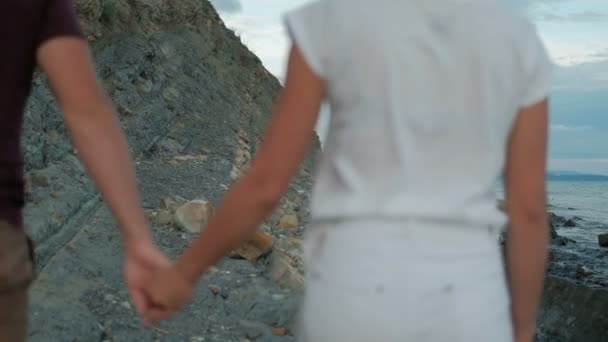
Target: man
46 33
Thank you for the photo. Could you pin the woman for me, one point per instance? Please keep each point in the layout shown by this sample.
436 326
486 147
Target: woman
431 102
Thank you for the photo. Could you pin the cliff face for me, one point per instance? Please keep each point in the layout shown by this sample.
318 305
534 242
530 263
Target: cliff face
183 84
194 103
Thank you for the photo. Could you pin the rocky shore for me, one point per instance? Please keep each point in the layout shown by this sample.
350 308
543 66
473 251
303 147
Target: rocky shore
576 287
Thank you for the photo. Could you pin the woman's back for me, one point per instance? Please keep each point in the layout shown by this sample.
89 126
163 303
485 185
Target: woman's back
423 96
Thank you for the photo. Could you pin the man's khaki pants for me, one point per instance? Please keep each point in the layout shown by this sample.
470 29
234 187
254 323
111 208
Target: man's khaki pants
15 278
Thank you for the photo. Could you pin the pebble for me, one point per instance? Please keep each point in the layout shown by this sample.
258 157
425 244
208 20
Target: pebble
289 222
280 331
215 289
602 240
193 216
278 296
163 217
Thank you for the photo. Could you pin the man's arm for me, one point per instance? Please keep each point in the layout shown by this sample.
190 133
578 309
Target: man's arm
95 130
103 148
528 227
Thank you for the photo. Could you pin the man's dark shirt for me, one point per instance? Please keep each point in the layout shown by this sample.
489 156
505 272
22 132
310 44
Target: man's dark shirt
25 25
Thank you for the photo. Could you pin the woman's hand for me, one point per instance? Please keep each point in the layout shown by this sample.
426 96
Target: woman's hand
168 291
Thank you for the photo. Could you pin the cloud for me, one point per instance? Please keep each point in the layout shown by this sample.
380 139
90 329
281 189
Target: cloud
589 76
569 128
268 40
228 6
577 17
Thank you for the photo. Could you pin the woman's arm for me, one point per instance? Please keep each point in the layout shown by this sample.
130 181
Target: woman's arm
257 193
526 205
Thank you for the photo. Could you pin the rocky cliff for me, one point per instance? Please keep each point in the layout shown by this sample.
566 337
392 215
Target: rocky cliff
194 102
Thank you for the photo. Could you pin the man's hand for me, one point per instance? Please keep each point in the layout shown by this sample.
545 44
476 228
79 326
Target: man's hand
168 291
141 262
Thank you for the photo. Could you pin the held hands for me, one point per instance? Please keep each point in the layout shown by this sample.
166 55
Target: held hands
156 288
167 291
142 259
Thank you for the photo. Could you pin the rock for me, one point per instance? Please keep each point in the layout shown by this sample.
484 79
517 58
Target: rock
556 219
501 205
572 312
169 146
39 180
289 222
172 203
218 291
285 274
163 217
259 244
186 158
562 241
552 229
286 264
215 289
602 239
193 215
280 331
124 111
252 330
570 223
583 272
91 9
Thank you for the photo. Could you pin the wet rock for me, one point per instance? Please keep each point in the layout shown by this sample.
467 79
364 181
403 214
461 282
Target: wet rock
572 312
555 219
602 240
259 245
583 272
289 222
562 241
570 223
193 216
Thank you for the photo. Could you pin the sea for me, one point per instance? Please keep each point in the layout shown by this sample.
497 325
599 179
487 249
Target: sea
585 200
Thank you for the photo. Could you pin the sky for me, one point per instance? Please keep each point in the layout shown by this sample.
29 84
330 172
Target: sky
575 33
